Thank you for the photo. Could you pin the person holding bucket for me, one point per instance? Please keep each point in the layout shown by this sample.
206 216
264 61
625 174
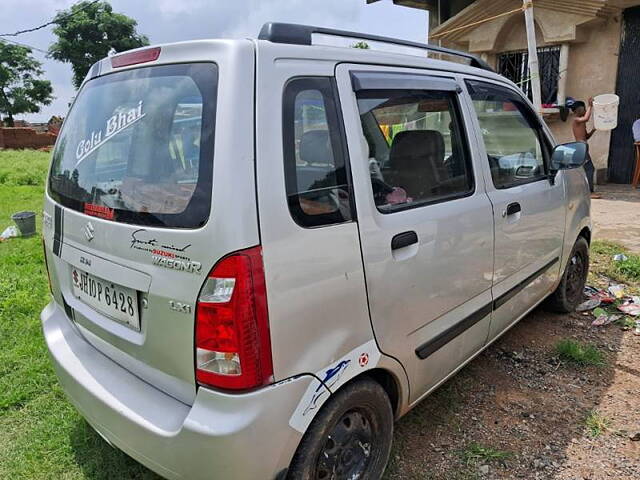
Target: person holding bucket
582 114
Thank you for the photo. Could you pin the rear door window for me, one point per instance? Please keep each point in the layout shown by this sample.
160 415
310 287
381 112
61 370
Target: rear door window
137 147
418 152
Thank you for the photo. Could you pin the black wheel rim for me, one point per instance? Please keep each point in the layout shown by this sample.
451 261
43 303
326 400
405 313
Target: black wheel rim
348 449
576 275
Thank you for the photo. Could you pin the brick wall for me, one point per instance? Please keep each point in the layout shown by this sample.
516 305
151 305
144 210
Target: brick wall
20 137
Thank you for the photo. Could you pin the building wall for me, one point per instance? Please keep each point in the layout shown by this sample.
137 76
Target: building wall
593 68
593 61
19 137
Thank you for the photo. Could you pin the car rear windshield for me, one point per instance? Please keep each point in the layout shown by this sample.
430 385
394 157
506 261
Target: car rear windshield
137 147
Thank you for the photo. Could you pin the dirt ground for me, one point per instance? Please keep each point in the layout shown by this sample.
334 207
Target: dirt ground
518 398
519 412
616 216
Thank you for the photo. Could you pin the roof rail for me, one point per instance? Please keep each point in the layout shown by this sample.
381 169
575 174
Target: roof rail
293 33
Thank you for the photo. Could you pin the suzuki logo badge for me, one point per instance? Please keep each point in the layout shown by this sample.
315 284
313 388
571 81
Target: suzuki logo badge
88 231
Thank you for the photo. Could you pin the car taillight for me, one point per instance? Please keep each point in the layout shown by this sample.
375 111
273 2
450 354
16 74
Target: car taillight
134 58
233 347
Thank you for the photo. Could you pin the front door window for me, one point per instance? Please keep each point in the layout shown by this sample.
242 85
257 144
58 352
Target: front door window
511 133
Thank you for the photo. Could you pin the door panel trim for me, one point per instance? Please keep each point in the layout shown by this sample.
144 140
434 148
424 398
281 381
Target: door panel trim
451 333
512 292
435 344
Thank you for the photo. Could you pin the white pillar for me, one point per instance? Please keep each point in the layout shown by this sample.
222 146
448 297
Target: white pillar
562 79
534 68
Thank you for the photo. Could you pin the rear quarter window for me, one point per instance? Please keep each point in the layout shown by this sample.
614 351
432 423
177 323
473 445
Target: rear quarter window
316 176
137 147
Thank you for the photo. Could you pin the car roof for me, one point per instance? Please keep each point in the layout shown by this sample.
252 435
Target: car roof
341 54
290 36
406 54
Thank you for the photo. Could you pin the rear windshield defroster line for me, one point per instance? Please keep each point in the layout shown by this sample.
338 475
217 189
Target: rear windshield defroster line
137 147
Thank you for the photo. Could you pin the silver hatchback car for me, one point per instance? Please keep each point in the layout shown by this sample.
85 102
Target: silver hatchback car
263 252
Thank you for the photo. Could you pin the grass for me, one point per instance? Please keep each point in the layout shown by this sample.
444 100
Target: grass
24 366
41 434
627 271
579 354
596 423
14 173
630 268
475 453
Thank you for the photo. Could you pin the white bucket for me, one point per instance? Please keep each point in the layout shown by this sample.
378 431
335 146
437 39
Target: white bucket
605 111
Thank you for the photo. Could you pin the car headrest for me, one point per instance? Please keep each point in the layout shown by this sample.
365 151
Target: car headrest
315 147
416 146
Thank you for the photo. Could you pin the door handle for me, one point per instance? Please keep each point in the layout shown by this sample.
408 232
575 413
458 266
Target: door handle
405 239
512 209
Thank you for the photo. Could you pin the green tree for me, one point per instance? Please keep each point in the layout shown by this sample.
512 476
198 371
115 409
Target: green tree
20 89
88 31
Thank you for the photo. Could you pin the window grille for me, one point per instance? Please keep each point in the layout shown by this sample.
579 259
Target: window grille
515 66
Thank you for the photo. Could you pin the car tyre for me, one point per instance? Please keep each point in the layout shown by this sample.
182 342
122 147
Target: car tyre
350 437
569 293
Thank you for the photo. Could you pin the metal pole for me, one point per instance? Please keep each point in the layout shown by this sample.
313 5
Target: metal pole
534 68
562 81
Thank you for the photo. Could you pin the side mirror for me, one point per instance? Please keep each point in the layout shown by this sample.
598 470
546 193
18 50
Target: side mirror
569 155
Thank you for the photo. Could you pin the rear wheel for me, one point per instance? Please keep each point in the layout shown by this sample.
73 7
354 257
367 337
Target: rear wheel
349 438
570 291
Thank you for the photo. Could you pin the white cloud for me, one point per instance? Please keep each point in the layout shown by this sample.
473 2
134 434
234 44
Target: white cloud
327 13
176 7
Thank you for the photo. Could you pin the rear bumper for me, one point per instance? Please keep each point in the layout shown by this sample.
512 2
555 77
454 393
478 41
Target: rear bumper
223 436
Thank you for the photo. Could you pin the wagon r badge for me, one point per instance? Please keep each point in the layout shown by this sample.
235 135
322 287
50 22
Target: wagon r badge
88 231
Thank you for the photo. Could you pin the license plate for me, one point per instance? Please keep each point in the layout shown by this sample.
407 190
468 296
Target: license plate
115 301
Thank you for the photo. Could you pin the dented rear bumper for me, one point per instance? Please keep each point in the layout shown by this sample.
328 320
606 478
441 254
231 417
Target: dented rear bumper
243 436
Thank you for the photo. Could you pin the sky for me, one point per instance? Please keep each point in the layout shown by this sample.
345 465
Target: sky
177 20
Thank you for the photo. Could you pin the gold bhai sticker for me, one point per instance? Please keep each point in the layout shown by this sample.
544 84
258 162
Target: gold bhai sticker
114 125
